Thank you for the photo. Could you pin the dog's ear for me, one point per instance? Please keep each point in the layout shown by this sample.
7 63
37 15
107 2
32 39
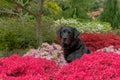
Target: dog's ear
76 33
58 32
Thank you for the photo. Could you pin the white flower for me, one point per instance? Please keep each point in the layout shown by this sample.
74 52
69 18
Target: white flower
84 26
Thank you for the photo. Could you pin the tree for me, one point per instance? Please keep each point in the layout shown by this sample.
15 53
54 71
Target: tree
36 12
111 13
76 8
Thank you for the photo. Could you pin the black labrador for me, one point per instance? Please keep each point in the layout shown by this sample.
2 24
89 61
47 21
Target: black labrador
72 45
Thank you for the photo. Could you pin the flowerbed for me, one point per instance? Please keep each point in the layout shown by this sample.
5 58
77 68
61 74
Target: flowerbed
47 62
97 41
51 52
110 49
26 68
94 66
84 26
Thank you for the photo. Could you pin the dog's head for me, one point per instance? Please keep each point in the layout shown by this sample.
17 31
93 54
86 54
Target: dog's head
67 35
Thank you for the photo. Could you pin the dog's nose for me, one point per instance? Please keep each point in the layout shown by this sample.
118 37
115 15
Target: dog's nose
64 39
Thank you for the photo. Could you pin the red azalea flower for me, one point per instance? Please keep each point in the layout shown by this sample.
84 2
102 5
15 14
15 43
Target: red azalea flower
94 66
98 40
26 68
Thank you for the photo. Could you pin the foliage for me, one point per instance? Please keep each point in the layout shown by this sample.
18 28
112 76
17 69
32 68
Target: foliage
111 13
53 7
50 7
47 32
97 5
5 3
15 34
76 9
11 9
5 8
48 35
37 14
84 26
116 31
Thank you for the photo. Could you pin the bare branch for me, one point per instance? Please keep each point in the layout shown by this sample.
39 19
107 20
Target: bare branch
8 12
40 7
21 6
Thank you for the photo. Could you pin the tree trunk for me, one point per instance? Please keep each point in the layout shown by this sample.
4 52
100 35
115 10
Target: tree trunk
38 17
38 20
38 30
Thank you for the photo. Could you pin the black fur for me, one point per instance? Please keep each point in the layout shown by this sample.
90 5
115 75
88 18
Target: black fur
72 45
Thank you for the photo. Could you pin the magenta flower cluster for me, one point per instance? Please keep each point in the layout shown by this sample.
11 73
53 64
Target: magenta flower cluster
97 41
26 68
94 66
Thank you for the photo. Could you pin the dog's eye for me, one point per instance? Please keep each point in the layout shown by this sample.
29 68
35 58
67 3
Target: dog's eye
69 32
63 31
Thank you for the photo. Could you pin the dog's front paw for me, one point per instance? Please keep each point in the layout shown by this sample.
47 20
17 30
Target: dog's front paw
70 58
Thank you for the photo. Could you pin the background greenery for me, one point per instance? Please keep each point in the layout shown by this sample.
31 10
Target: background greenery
18 27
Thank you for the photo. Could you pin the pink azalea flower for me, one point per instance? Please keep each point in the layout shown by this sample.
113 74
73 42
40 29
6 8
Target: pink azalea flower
51 52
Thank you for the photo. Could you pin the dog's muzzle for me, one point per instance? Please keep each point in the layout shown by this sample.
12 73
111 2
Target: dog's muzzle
65 41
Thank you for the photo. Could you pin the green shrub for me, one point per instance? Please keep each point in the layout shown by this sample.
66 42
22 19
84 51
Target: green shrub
48 32
111 13
92 26
18 33
15 34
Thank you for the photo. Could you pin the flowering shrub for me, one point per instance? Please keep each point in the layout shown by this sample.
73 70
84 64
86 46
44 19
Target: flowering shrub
94 66
84 27
26 68
97 40
110 49
51 52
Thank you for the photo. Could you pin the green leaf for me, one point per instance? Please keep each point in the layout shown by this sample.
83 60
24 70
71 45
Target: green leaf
6 3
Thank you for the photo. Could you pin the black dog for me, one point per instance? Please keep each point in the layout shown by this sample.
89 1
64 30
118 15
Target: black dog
72 45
